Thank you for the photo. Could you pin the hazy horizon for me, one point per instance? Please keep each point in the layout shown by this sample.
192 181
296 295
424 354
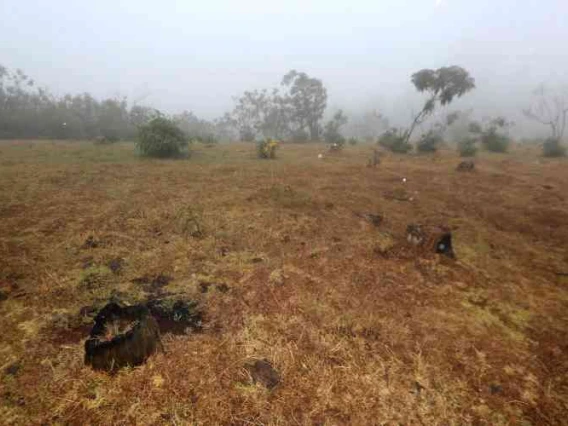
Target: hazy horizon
176 56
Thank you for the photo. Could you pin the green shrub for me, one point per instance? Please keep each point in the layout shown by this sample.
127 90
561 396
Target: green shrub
553 148
266 149
161 138
494 141
467 147
429 141
394 141
353 141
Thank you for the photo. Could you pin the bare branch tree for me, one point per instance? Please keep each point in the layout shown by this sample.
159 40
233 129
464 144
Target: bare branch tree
550 109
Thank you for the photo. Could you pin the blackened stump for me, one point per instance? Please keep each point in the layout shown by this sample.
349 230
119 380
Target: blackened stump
431 239
466 166
444 245
122 336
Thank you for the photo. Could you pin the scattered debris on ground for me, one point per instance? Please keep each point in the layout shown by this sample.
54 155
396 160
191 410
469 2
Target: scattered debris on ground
153 283
176 316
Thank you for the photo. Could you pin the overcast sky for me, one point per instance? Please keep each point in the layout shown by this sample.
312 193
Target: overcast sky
196 55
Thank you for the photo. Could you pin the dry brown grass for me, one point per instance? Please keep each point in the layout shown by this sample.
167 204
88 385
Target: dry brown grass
359 334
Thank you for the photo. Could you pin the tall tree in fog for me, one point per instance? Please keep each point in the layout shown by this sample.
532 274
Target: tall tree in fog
550 109
249 113
308 98
442 86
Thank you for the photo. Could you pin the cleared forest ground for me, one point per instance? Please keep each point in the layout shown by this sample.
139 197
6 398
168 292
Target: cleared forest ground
285 267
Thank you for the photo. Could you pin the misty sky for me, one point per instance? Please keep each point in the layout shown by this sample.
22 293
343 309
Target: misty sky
196 55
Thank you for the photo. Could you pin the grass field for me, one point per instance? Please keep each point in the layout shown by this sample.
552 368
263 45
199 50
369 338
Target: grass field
285 268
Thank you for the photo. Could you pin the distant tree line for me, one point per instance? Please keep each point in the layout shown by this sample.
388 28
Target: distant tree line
294 111
28 111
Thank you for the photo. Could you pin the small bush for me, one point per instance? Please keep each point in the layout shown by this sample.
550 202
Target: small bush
394 141
352 141
161 138
553 148
266 148
429 142
467 147
494 141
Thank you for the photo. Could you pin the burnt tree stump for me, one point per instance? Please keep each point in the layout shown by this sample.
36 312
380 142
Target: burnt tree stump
466 166
432 239
122 336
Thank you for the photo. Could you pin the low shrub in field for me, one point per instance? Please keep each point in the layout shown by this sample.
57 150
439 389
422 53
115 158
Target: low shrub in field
266 148
429 141
161 138
394 141
553 148
493 136
467 147
494 141
352 141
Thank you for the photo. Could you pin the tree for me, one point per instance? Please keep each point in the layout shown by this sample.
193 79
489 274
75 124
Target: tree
550 110
367 126
248 114
442 85
140 115
331 133
308 100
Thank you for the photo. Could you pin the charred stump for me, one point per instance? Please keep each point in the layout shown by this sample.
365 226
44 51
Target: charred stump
433 239
466 166
122 336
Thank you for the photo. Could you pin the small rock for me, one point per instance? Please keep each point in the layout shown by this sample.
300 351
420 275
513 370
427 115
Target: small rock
223 288
90 242
478 300
262 371
115 265
277 277
495 388
13 369
204 287
461 285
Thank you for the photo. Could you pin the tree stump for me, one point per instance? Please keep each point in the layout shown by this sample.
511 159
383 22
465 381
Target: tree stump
466 166
432 239
122 336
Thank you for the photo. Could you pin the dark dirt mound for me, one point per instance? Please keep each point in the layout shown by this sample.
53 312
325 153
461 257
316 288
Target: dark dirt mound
153 283
262 371
176 316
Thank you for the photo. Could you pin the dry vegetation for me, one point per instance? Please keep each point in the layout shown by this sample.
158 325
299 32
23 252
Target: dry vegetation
285 267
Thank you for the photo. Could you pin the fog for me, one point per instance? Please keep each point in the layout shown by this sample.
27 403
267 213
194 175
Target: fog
181 55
